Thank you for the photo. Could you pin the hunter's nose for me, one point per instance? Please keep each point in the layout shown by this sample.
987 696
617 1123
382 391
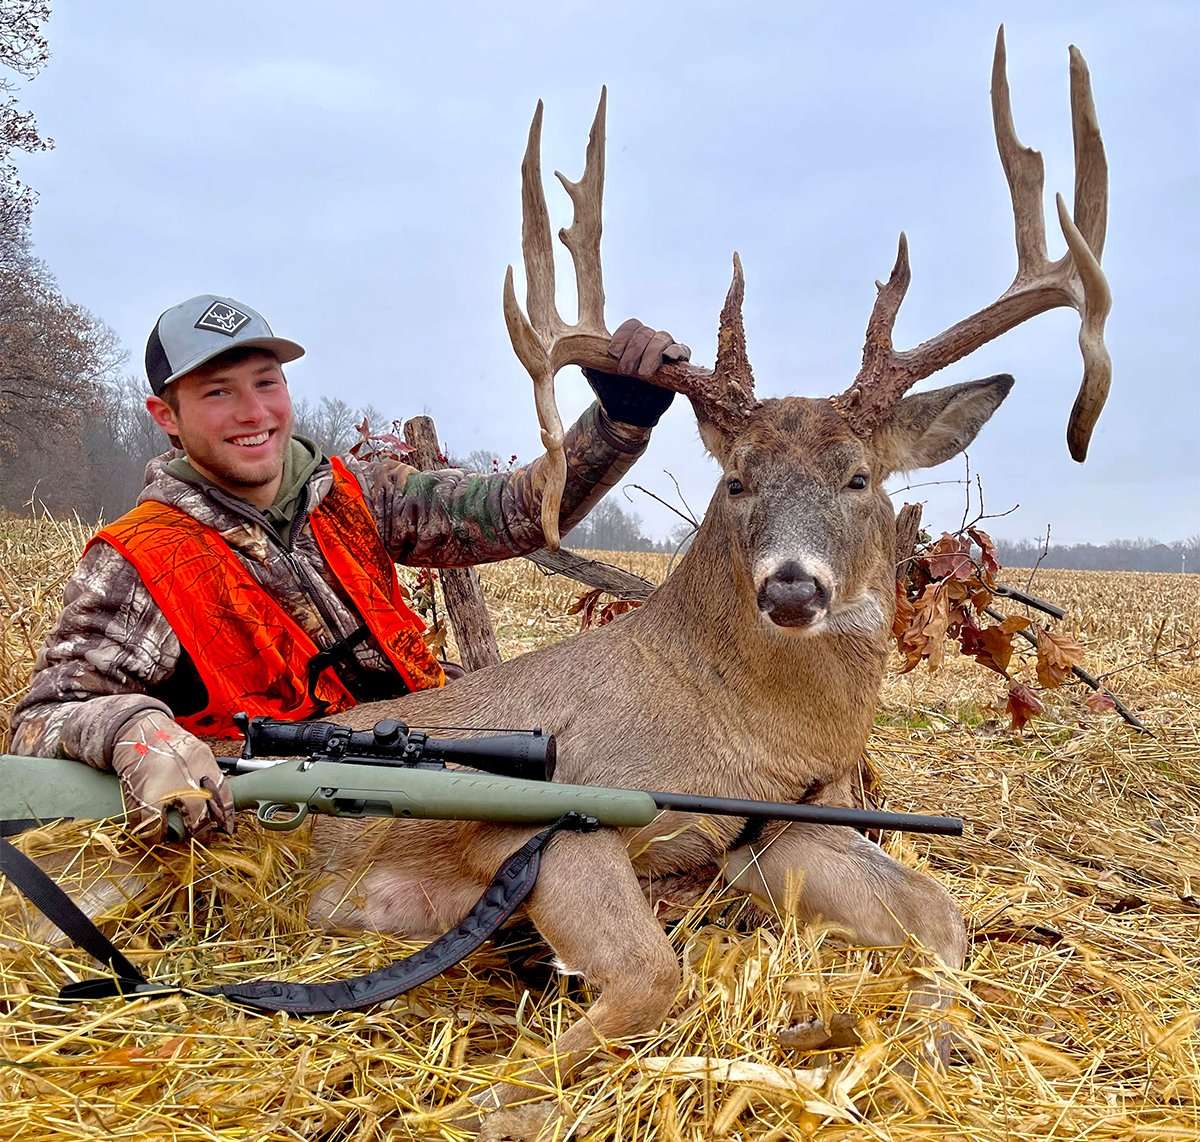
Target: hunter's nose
791 597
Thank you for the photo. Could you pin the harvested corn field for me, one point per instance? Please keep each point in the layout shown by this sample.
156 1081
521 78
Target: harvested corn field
1076 1016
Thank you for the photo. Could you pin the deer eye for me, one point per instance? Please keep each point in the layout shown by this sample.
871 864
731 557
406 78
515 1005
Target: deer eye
734 486
858 481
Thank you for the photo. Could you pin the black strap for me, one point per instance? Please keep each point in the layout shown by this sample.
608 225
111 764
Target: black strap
507 891
12 828
749 834
341 653
62 912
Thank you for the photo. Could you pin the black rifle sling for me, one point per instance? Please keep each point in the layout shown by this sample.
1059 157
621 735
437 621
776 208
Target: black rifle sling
507 891
63 913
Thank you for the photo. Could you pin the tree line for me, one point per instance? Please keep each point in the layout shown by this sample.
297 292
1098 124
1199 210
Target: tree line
1117 555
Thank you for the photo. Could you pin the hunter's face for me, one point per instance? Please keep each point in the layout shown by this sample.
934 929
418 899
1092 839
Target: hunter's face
235 422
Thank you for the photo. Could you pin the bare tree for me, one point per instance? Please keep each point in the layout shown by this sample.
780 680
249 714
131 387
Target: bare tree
57 365
329 423
23 50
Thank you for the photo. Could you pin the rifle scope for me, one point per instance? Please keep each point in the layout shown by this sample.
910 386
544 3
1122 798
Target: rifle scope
529 755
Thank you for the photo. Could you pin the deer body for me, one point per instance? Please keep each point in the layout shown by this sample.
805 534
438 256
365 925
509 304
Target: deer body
700 691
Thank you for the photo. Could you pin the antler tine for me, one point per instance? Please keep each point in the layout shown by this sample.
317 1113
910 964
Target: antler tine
1075 279
533 336
858 400
1097 364
1023 168
1091 163
582 238
536 246
541 339
733 362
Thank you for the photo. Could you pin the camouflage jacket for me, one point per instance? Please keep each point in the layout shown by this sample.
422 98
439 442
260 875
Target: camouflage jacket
112 653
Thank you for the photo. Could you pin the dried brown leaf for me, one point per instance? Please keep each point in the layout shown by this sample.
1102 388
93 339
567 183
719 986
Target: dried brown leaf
1022 705
991 562
950 558
1056 654
1099 702
994 649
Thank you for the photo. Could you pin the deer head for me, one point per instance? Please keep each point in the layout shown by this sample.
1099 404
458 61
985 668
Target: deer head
801 511
801 496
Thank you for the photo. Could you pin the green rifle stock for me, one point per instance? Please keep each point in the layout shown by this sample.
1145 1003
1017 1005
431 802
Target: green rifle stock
282 795
36 789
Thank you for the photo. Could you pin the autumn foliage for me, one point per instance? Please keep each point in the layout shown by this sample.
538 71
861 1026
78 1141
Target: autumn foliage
943 597
592 612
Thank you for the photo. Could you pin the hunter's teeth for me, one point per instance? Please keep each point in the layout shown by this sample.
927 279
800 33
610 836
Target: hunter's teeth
250 441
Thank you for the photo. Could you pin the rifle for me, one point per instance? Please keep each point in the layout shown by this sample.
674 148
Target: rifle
390 770
395 771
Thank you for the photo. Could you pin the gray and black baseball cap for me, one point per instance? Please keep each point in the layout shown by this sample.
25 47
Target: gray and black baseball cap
204 327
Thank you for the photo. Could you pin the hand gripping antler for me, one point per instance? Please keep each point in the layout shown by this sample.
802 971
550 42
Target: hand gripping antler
545 343
1075 279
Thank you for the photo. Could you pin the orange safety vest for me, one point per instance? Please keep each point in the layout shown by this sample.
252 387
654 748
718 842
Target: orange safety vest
250 654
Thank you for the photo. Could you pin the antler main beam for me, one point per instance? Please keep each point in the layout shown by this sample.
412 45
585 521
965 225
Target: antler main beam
544 342
1075 279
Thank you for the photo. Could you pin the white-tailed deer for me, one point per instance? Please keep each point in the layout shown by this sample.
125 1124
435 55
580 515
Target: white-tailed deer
754 670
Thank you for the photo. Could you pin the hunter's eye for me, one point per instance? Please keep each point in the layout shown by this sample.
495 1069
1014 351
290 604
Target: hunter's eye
858 481
734 486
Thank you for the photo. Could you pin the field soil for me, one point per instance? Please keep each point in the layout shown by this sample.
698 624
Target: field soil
1076 1016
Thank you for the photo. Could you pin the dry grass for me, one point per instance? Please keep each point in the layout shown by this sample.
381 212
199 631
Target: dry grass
1080 874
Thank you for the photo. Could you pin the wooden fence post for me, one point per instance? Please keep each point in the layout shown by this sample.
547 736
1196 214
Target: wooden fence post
460 585
908 527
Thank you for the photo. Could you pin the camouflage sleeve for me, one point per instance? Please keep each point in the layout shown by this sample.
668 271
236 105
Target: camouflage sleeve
452 518
110 648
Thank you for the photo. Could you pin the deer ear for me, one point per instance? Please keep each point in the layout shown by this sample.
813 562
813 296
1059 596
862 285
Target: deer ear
927 428
716 441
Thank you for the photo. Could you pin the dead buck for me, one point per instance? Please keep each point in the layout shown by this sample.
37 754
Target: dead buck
755 669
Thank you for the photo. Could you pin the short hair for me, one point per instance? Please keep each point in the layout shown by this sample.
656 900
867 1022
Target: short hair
234 356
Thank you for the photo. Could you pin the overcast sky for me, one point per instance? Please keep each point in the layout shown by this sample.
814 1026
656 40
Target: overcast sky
353 172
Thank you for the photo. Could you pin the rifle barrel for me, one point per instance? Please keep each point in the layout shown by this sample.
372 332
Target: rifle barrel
811 814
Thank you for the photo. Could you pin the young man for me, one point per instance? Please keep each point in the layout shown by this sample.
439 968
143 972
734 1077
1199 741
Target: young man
257 574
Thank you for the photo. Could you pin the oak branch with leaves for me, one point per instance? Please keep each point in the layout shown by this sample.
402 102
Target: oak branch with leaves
941 599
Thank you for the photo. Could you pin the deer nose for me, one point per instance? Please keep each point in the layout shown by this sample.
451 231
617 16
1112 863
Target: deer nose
791 597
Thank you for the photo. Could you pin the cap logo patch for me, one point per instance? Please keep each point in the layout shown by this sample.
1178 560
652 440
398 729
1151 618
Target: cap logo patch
222 318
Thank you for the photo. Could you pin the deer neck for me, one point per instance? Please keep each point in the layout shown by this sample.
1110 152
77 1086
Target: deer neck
705 620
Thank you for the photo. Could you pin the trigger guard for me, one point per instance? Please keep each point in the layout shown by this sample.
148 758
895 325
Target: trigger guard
266 815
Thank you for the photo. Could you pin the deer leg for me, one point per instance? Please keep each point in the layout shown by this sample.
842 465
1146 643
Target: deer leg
415 879
824 872
590 909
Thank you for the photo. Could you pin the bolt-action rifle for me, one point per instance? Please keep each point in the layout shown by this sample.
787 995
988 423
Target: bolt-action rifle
390 770
394 771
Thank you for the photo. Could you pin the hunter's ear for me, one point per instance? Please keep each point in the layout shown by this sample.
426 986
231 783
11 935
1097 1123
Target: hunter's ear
927 428
163 415
714 439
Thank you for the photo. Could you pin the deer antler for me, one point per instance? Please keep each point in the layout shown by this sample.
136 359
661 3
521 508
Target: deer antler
545 343
1075 279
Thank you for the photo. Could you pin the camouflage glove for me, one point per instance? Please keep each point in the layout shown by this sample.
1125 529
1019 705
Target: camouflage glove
639 352
163 766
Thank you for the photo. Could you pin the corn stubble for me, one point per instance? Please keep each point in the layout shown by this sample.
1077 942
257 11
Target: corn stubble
1076 1016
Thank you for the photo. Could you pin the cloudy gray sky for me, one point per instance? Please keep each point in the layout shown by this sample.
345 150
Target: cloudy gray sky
352 171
